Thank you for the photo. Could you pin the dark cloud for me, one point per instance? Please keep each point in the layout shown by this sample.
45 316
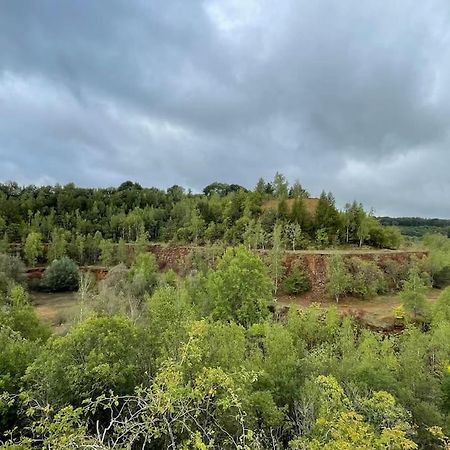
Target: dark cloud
350 96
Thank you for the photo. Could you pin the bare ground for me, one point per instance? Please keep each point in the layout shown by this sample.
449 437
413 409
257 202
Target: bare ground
377 312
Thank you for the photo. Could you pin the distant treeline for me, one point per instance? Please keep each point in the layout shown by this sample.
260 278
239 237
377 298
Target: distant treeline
223 212
418 226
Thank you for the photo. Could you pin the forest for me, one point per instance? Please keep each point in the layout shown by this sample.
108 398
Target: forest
206 356
222 213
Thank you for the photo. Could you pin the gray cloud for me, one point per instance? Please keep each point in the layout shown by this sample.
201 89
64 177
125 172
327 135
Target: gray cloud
350 96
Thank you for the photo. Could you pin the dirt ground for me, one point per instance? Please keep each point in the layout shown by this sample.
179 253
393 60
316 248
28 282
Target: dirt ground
56 309
377 312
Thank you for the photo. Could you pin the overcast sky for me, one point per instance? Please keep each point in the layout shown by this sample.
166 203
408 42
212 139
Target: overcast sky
349 96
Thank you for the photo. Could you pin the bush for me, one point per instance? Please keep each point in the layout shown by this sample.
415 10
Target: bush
143 274
367 279
12 270
61 275
442 278
296 282
396 273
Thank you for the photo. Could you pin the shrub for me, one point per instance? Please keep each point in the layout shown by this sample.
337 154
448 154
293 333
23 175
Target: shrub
442 278
61 275
367 279
143 274
12 270
396 273
296 282
338 282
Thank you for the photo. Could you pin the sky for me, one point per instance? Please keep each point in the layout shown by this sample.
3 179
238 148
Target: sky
347 96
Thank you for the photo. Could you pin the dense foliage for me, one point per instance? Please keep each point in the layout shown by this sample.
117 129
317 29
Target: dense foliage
61 275
91 225
156 361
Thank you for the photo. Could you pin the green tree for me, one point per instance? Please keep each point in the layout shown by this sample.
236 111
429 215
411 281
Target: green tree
413 293
282 209
61 275
363 231
297 191
239 289
4 243
339 424
58 245
122 252
293 233
280 186
296 282
300 215
96 356
33 247
107 252
20 316
276 256
16 355
327 216
366 278
141 243
143 274
338 282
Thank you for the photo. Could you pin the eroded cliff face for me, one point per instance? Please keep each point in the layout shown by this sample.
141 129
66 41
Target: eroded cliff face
314 263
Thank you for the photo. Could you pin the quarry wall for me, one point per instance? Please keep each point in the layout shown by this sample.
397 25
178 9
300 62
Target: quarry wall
314 263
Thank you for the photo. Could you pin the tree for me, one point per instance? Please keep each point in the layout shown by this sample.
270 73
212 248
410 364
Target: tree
122 252
16 355
280 186
141 243
239 289
20 316
61 275
366 278
363 231
107 252
58 246
327 216
297 190
33 247
250 236
143 274
413 293
4 243
260 188
12 271
299 214
196 225
342 424
282 209
338 278
296 282
168 312
96 356
293 233
276 256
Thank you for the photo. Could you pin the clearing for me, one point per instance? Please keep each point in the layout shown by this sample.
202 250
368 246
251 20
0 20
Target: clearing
56 309
377 312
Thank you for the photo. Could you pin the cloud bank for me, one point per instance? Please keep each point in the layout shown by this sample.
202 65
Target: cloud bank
352 97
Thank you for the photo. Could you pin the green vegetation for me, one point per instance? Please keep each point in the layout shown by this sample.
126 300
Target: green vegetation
93 225
204 358
296 282
61 275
